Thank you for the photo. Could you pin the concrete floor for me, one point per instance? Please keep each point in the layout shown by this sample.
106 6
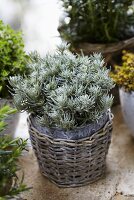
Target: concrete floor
118 184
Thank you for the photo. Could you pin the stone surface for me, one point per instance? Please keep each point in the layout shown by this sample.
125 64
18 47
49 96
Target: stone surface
118 184
121 197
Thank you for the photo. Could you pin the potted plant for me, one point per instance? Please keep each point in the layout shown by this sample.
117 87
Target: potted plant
10 151
105 27
12 56
70 123
124 78
12 62
96 26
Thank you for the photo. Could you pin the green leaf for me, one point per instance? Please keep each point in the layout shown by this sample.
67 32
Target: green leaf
12 55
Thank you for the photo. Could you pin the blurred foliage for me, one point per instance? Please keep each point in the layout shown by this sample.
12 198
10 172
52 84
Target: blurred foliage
124 75
10 151
97 21
12 55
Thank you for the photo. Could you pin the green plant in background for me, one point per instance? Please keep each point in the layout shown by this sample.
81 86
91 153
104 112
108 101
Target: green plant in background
12 55
10 151
124 75
97 21
64 90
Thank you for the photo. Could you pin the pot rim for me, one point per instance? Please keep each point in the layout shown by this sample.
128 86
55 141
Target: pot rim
105 47
123 90
75 134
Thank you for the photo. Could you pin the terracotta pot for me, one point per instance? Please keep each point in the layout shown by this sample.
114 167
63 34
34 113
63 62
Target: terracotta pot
127 105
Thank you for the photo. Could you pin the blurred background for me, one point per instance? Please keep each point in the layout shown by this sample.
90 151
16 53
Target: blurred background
38 19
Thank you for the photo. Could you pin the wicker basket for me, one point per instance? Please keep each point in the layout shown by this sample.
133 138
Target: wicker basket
72 162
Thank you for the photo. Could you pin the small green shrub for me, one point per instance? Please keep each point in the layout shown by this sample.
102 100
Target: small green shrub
64 90
10 151
12 55
123 75
97 21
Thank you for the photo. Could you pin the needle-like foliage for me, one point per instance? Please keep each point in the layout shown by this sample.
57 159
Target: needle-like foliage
64 90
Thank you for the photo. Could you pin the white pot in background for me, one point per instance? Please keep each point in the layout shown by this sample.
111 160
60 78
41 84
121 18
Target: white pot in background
127 104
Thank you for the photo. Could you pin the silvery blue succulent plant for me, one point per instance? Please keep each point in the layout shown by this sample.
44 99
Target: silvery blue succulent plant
64 90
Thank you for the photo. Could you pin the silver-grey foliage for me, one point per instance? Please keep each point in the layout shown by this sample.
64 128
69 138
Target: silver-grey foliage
64 90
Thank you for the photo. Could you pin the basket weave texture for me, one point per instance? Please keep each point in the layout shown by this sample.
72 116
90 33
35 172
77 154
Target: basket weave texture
71 162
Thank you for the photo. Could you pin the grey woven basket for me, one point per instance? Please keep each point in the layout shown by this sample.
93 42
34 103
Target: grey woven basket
71 162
